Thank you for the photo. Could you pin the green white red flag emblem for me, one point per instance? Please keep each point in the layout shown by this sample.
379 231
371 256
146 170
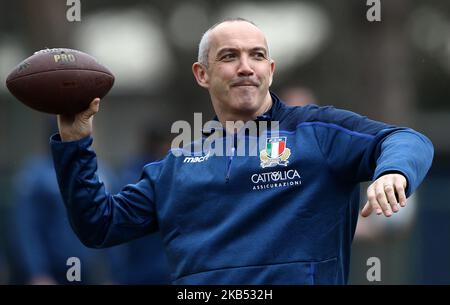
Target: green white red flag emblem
276 152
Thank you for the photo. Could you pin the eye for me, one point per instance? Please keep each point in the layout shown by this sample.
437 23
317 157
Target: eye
228 57
259 55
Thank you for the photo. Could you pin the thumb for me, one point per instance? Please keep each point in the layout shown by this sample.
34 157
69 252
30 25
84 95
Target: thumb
93 109
367 210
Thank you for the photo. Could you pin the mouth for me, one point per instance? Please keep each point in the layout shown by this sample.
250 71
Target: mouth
245 84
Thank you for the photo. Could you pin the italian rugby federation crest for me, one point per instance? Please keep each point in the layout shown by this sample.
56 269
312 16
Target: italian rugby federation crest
276 153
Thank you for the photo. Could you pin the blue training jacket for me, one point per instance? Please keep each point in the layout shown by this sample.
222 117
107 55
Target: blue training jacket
284 216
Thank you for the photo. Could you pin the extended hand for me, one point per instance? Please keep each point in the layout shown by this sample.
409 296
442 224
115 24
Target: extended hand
381 195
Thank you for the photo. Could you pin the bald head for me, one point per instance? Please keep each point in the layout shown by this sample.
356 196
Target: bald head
231 26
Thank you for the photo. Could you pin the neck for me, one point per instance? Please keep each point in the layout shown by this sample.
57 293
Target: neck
225 116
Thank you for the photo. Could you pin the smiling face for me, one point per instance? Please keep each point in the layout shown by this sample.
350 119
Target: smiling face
239 71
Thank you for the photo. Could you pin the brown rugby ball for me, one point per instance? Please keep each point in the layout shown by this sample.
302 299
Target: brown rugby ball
59 81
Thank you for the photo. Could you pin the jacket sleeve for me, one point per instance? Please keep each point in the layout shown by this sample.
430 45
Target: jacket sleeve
361 149
98 218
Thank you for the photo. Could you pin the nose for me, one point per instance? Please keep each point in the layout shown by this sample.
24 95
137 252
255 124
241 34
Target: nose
244 67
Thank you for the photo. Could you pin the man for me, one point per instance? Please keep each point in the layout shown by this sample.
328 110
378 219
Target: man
285 216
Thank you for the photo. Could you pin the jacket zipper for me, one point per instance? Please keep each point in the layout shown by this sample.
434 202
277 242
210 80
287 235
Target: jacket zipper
230 159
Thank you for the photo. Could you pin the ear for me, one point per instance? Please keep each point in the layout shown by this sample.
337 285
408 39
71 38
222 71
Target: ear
272 69
201 74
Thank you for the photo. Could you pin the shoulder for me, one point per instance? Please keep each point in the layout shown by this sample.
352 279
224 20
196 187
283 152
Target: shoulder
293 116
332 118
326 114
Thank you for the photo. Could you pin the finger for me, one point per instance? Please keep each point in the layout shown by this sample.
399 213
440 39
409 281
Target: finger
372 199
367 210
390 194
93 109
94 105
382 200
400 189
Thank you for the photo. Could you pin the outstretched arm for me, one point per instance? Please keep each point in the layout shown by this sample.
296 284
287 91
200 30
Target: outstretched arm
404 159
396 159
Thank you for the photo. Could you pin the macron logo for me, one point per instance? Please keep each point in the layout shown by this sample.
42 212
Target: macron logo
196 159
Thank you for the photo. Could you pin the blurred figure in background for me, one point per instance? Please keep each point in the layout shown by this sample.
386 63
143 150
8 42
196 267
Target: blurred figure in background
389 241
41 239
142 261
298 96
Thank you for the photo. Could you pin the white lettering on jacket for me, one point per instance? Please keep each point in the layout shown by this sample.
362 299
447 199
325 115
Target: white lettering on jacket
275 176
